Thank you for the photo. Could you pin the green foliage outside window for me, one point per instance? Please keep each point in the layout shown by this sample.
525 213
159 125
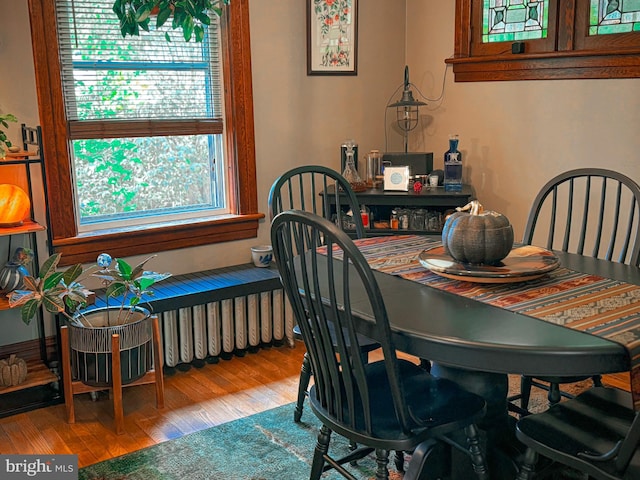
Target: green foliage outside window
189 15
149 174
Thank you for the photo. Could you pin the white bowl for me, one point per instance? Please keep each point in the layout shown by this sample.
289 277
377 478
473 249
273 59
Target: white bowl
262 255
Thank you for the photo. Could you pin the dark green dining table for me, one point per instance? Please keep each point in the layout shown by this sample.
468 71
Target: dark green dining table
466 333
477 344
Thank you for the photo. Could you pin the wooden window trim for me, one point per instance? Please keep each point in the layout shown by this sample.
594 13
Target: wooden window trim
575 56
79 247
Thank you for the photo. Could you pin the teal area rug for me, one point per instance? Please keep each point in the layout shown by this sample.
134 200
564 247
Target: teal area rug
265 446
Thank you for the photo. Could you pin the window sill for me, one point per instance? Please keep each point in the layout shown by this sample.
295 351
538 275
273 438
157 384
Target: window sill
539 66
154 238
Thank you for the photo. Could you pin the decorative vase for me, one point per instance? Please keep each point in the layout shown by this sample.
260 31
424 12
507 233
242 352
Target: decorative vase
14 271
453 166
350 173
91 346
10 278
262 255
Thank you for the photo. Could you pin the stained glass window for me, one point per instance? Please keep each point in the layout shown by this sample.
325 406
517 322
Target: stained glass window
546 39
511 20
614 16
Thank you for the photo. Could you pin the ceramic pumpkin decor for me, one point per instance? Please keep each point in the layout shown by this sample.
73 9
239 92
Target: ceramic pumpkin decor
14 205
473 235
13 371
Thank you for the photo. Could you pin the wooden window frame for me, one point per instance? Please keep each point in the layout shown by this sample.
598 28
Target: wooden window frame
239 122
573 55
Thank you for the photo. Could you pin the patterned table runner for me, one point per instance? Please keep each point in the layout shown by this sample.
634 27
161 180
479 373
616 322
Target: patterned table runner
597 305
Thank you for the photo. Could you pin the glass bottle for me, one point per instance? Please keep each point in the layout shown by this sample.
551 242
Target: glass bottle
393 221
365 214
351 174
343 153
453 166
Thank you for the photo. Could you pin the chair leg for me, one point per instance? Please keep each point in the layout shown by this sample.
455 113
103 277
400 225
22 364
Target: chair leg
303 385
322 447
420 456
382 459
476 455
525 392
399 461
353 446
554 393
597 380
528 468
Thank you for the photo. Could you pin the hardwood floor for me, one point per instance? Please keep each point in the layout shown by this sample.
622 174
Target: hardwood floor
194 400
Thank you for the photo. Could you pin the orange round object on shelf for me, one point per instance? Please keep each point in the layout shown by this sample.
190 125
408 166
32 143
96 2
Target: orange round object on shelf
14 205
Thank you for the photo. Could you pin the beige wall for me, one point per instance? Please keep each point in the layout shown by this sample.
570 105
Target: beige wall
299 119
517 135
17 82
303 119
514 135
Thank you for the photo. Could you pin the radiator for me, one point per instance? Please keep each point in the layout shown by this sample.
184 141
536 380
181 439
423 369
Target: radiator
226 327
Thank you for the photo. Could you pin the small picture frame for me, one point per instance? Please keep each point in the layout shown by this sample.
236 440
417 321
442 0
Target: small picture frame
397 178
332 37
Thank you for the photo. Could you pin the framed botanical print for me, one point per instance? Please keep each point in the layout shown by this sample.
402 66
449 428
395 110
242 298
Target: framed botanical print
332 37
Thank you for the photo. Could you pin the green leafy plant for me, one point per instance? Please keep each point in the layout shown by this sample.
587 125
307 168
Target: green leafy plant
4 121
62 291
189 15
128 283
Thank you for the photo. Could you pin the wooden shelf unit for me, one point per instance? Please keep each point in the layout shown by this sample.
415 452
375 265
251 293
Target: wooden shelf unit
381 202
37 374
28 226
41 386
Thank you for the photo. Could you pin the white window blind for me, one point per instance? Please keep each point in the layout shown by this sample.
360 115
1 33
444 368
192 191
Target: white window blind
136 79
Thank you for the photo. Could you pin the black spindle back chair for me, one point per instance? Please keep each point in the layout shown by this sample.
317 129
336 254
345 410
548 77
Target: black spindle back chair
592 211
389 404
596 433
589 211
306 188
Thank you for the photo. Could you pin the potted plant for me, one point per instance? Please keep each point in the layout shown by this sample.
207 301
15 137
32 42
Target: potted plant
91 328
4 142
190 16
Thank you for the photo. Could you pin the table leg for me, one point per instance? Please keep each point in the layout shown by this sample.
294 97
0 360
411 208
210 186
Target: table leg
497 426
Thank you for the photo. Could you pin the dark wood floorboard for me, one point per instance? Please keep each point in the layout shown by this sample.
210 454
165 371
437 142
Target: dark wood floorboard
194 400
